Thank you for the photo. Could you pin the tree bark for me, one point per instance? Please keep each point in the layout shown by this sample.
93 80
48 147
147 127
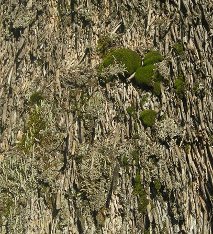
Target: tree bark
73 159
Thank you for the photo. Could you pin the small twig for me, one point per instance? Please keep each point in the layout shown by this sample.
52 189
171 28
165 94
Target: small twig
131 77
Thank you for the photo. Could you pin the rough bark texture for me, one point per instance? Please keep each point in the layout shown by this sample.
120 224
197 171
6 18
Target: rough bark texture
79 161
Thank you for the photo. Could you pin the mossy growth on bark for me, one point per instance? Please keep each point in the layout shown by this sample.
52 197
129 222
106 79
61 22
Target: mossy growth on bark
157 88
129 58
105 42
157 185
148 77
141 193
36 98
131 111
38 128
148 117
180 86
34 127
152 57
178 48
145 76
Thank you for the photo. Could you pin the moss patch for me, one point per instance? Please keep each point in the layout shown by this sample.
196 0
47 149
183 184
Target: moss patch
130 59
148 117
141 193
152 57
157 185
179 86
131 111
157 88
37 130
145 76
36 98
178 48
104 44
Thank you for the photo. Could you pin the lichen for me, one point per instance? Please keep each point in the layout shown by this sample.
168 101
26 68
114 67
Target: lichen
94 174
115 70
167 129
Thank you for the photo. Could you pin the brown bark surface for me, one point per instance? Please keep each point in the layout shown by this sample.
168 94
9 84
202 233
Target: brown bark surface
78 161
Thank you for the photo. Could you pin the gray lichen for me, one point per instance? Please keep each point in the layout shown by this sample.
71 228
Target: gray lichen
95 173
168 129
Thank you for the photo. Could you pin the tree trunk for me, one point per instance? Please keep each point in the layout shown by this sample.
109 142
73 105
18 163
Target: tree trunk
75 154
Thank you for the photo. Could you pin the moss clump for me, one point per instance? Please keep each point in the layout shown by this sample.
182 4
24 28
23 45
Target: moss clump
157 88
148 117
145 76
130 110
104 44
130 59
179 86
141 193
178 48
148 77
36 98
152 57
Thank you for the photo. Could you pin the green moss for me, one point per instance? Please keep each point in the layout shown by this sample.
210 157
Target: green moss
36 98
135 155
36 124
146 231
148 117
145 76
157 88
125 162
157 185
187 147
130 110
130 59
104 44
178 48
152 57
179 86
141 193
